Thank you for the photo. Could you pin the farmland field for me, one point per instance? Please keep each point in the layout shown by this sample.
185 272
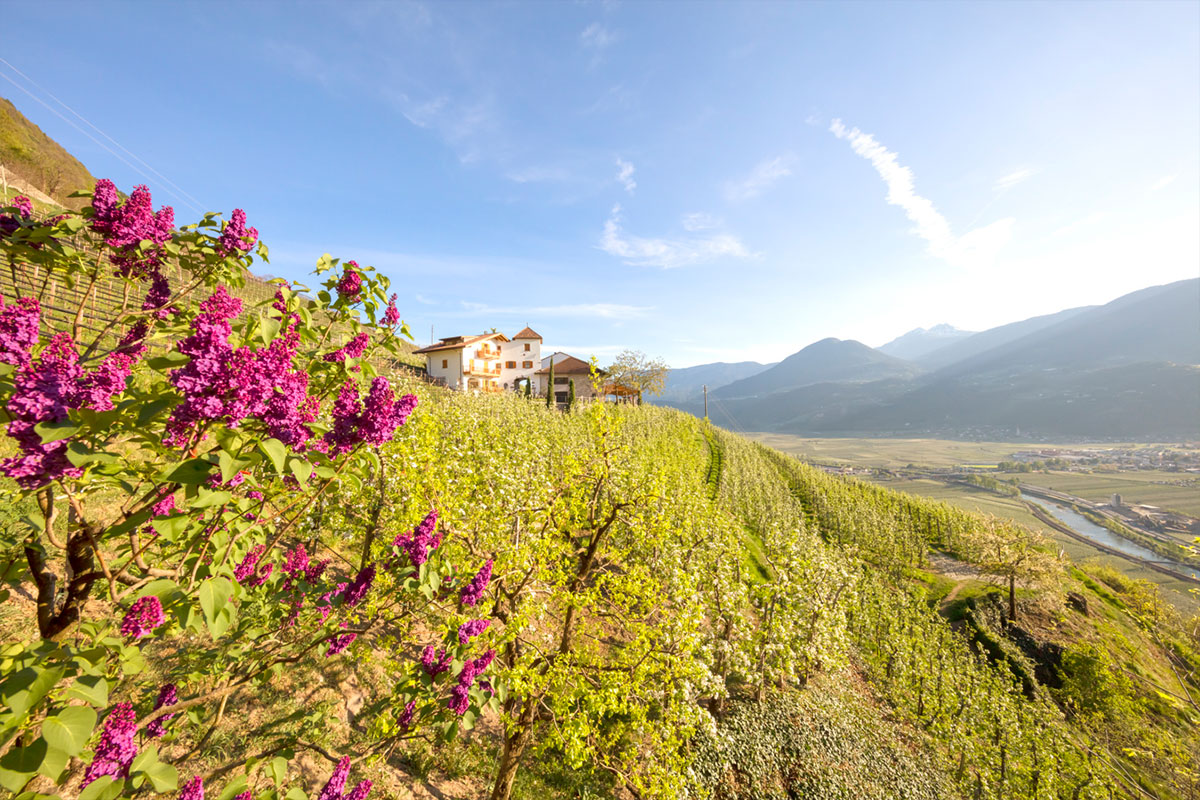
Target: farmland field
1150 487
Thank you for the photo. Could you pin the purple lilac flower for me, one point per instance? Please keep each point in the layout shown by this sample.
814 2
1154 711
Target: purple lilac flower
473 591
158 295
339 643
360 791
247 565
337 781
360 586
351 283
97 389
352 349
236 237
24 205
193 789
406 716
420 542
472 628
280 303
294 615
391 317
460 699
164 506
244 796
116 749
435 662
19 323
314 570
125 225
133 342
295 561
42 392
373 422
143 617
167 696
260 577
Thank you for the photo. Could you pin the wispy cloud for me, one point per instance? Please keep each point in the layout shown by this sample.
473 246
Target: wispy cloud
760 178
423 300
611 311
597 37
699 221
1163 182
625 175
667 253
976 248
538 175
1013 178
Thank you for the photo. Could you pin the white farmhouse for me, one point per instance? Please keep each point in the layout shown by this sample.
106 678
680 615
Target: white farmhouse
466 362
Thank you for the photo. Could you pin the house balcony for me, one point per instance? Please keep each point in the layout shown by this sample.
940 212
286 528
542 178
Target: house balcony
493 355
481 369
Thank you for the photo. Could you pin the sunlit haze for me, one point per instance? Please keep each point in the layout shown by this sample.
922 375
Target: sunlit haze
703 182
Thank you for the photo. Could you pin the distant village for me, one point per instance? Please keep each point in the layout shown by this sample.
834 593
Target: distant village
1184 458
492 362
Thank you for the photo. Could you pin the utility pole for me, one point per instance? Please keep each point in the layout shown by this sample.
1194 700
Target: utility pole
706 401
431 334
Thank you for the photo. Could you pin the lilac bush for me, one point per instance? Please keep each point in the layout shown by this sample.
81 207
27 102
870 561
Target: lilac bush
174 445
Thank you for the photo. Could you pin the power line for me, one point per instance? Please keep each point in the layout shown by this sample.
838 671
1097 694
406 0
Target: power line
171 188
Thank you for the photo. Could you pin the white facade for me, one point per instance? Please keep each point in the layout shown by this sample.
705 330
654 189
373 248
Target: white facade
466 362
519 359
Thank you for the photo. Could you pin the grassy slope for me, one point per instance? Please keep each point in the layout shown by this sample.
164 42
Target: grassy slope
29 153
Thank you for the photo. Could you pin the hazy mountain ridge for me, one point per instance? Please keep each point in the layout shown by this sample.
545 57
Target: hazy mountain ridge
921 342
827 361
689 382
1126 369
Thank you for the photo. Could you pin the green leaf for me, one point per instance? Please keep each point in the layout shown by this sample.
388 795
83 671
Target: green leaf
20 764
276 451
234 788
278 768
224 622
104 788
92 689
208 499
25 689
69 729
54 431
80 456
54 763
301 469
167 361
296 793
190 472
148 411
164 777
214 595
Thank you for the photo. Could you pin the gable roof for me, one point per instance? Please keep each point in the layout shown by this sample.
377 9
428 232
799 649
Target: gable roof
569 366
528 333
459 342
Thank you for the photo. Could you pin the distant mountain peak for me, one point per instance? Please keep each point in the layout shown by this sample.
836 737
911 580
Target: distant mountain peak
920 342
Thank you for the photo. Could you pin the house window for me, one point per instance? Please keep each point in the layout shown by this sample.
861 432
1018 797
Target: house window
510 365
527 347
445 363
560 381
526 365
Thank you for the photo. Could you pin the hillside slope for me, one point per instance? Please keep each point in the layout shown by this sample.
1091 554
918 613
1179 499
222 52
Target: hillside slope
27 152
688 382
921 343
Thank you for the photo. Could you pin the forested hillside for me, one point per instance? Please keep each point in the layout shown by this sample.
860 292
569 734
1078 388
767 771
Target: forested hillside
257 563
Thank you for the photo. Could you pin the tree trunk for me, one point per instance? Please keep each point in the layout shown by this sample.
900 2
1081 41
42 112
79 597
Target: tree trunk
1012 598
514 748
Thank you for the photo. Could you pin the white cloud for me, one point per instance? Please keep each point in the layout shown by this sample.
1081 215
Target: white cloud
667 253
625 175
975 249
423 300
538 175
760 178
613 311
597 37
699 221
1013 178
1163 182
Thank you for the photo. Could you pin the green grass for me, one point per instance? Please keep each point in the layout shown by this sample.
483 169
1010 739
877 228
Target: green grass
30 154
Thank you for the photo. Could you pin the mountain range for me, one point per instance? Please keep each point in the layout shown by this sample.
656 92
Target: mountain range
1129 369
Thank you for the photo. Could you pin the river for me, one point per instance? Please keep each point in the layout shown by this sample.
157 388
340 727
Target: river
1084 526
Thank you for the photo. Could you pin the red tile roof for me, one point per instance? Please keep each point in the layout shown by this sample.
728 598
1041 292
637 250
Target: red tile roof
528 333
459 342
569 366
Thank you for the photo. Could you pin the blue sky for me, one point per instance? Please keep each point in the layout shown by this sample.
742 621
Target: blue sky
703 182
